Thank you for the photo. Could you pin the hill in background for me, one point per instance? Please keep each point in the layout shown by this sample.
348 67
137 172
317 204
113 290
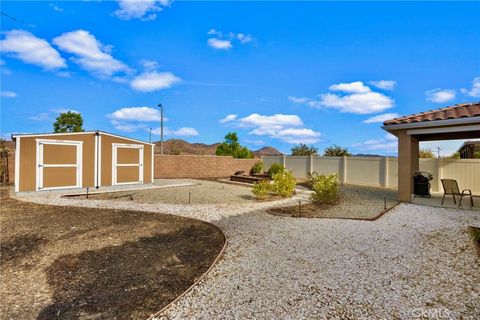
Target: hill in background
179 146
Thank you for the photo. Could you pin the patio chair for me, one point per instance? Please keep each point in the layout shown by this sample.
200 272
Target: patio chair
450 187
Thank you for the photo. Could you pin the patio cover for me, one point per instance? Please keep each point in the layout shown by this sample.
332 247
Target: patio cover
460 121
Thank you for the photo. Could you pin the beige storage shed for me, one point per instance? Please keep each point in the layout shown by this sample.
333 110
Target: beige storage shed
80 160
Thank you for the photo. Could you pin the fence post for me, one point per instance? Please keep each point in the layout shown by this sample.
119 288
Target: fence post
344 169
385 172
284 161
439 174
310 170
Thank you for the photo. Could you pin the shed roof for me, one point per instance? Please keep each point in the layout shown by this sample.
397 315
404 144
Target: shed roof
17 135
464 110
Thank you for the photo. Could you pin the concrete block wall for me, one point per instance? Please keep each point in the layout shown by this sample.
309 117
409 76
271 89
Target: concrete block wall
198 166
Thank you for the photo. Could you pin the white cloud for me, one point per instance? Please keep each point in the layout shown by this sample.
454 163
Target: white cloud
219 44
298 100
152 81
149 64
90 53
359 103
28 48
132 119
145 114
228 118
284 127
127 127
352 87
298 135
381 117
181 132
475 90
55 7
440 95
276 121
244 38
44 116
222 41
140 9
384 84
215 33
387 144
8 94
358 99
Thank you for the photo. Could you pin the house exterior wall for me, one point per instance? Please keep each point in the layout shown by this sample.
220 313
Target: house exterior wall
28 159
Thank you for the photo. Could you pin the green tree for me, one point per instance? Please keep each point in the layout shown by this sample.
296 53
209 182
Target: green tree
304 150
425 154
476 155
68 122
231 147
336 151
455 155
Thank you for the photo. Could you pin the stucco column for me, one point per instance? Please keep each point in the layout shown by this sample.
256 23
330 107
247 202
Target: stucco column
408 149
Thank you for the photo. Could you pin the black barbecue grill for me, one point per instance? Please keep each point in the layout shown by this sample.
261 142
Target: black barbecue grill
421 184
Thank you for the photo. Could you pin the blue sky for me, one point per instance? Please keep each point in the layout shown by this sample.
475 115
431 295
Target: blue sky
277 73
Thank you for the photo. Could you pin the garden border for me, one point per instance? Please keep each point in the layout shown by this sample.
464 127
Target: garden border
158 314
378 216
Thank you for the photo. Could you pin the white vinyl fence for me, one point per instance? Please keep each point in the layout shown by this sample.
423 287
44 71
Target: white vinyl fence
381 171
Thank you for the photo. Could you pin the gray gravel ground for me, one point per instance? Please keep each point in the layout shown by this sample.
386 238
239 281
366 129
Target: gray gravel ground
200 192
414 260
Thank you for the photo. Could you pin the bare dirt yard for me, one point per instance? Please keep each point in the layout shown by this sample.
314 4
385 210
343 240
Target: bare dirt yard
202 192
77 263
356 202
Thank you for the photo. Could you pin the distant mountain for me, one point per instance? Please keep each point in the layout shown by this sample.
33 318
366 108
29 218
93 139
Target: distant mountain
366 155
267 151
179 146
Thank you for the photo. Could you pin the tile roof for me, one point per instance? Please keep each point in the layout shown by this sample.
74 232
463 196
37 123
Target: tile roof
464 110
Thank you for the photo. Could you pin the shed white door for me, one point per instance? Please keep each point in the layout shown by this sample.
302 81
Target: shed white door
59 164
127 163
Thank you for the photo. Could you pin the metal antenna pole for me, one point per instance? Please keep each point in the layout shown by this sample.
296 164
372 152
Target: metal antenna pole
161 128
150 136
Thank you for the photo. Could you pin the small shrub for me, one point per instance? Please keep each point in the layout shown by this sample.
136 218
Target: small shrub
325 188
275 168
284 183
257 168
261 189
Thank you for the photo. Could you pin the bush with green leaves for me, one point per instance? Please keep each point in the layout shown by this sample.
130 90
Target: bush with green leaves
257 168
262 189
284 183
325 188
275 168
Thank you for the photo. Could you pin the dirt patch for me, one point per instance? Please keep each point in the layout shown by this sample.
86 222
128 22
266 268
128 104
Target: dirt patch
359 203
20 247
77 263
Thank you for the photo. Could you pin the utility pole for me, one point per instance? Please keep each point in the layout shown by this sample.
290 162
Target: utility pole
438 152
161 128
150 136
